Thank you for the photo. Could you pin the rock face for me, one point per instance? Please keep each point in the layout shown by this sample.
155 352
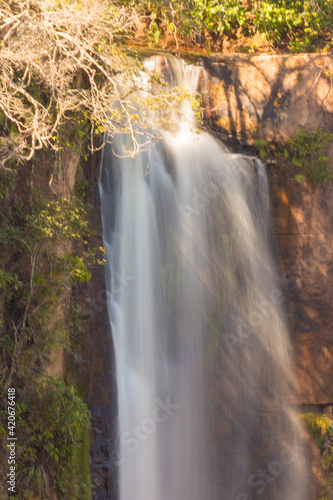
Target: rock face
96 364
303 222
270 98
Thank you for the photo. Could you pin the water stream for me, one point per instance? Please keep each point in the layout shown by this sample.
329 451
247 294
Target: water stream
203 356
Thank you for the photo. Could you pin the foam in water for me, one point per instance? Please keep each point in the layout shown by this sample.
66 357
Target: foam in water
202 352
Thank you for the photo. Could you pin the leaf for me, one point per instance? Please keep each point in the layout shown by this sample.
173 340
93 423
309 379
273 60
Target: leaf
297 162
262 154
299 178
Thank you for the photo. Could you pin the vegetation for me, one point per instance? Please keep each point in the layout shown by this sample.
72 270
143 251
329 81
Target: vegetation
36 231
262 146
63 68
318 425
45 251
63 62
320 428
309 152
61 84
51 422
293 25
76 62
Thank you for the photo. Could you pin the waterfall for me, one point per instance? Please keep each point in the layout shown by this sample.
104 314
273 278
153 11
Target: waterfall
203 358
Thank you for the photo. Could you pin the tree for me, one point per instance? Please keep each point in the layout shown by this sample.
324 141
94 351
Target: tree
61 60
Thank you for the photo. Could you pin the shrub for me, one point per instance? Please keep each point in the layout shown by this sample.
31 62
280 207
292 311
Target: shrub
309 153
51 422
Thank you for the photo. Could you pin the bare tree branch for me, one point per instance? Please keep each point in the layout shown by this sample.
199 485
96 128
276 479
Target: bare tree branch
62 62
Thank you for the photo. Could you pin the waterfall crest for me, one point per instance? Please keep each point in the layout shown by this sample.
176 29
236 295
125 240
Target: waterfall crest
203 357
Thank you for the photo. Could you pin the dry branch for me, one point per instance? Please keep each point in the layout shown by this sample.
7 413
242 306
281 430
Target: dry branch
61 61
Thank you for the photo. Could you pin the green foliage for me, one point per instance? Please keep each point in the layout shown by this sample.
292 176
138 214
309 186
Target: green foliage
45 252
263 146
59 219
318 425
320 428
77 270
193 18
153 32
51 421
217 17
299 178
8 280
82 487
309 153
44 233
81 189
298 25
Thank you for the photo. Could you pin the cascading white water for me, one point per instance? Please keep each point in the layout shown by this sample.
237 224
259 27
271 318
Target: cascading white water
202 352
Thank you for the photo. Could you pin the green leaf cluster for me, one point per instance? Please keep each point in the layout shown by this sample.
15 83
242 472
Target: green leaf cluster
59 219
45 251
318 425
300 25
51 422
309 152
296 25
